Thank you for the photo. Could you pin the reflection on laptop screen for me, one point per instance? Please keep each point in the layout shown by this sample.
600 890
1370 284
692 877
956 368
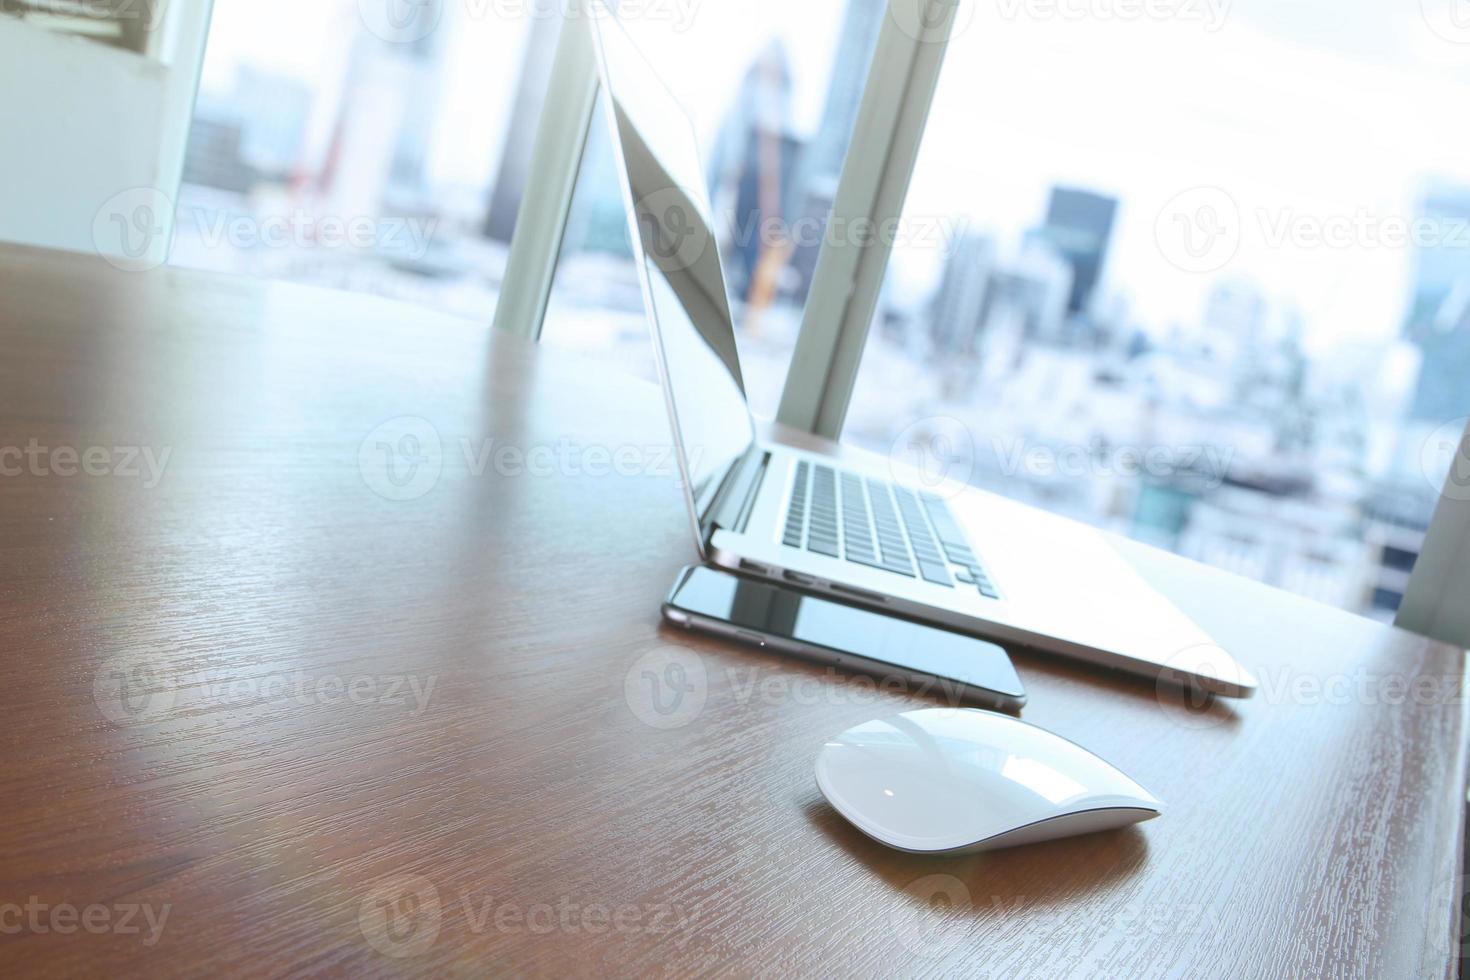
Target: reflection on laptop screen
693 326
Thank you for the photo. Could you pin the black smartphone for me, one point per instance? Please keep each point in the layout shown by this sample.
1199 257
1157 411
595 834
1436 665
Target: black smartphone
922 658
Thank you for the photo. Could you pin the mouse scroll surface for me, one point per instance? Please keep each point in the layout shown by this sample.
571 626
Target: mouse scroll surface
956 779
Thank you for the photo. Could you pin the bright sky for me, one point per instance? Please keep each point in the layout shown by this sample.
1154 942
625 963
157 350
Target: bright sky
1317 107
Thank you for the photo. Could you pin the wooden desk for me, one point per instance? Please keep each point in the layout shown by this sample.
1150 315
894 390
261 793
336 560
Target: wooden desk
415 726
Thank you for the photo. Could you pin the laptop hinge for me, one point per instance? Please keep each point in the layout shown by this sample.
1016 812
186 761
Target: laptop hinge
736 497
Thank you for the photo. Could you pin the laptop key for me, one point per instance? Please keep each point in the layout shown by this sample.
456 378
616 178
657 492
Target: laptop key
935 573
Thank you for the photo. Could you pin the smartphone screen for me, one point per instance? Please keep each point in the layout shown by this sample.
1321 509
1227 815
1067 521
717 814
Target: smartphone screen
787 620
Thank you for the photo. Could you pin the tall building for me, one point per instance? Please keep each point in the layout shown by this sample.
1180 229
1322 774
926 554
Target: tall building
753 167
525 118
961 303
425 79
1079 225
1439 314
1234 324
855 45
821 165
1033 287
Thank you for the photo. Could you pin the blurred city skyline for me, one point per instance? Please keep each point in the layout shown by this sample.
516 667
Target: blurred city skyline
1158 236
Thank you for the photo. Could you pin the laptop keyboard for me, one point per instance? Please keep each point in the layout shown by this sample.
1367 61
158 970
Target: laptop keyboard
881 525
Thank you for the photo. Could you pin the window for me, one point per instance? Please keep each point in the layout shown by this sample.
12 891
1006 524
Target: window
773 91
369 145
1198 273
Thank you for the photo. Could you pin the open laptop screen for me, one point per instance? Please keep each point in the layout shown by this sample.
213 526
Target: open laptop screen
685 286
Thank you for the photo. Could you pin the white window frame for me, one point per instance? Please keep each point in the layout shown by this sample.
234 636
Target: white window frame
1437 601
844 295
551 184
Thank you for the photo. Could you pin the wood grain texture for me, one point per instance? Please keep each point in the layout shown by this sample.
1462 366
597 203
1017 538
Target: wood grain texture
505 809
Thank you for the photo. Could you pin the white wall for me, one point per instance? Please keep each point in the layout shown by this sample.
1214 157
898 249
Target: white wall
94 138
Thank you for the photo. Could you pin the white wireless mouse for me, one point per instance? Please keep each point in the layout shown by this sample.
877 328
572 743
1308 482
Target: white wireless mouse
960 780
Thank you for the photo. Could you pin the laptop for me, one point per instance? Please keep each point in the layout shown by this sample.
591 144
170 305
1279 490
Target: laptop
867 533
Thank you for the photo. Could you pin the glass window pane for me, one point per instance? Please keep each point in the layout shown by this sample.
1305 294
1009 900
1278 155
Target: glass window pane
1198 273
773 92
369 145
